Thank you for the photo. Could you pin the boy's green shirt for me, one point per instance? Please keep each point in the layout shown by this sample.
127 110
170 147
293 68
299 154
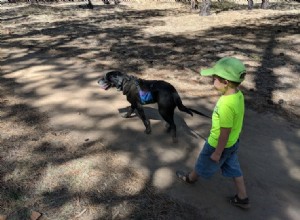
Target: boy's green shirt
228 113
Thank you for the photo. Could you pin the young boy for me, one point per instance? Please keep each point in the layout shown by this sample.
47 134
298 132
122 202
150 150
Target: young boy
220 149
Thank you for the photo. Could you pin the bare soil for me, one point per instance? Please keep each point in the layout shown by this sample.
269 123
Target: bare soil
66 152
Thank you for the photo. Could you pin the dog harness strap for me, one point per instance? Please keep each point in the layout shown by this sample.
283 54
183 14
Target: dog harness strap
137 85
120 81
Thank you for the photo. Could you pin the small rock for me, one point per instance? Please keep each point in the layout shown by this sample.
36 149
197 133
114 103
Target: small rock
281 101
24 214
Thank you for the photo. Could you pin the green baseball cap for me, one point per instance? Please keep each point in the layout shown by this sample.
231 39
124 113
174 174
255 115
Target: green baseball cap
229 68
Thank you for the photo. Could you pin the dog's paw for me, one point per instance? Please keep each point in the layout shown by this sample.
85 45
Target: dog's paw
125 115
175 140
168 129
148 131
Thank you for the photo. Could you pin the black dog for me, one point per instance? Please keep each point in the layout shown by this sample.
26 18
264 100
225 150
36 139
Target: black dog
140 92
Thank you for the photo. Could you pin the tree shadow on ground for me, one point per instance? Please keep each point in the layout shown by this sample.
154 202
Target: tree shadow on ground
44 150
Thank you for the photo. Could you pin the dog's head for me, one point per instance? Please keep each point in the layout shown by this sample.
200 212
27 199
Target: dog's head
112 79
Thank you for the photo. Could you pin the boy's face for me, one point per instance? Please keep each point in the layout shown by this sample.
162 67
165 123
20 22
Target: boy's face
220 84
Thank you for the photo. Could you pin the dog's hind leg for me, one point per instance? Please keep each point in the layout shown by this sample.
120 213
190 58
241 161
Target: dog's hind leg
168 116
148 126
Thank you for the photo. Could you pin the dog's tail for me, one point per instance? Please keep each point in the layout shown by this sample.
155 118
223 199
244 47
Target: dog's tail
183 108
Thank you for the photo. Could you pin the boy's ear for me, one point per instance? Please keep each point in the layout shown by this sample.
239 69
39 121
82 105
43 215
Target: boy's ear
242 76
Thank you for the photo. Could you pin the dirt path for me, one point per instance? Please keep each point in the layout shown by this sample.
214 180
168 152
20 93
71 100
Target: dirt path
66 151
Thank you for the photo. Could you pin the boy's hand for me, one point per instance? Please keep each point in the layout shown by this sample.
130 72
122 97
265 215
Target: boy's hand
223 138
215 156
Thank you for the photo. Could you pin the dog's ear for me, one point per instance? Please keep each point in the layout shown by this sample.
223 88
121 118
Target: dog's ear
117 80
119 83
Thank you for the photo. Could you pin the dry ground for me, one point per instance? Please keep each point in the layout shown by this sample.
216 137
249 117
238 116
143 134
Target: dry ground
67 153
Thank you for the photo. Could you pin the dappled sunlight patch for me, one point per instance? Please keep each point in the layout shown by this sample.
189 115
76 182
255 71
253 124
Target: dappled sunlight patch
129 182
69 120
79 175
163 178
20 54
106 123
295 172
169 155
284 153
78 159
32 74
21 172
17 131
197 23
291 209
97 173
41 85
192 87
53 99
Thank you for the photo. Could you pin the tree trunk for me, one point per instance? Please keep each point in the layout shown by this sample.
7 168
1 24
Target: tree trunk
90 5
264 4
250 4
194 4
205 8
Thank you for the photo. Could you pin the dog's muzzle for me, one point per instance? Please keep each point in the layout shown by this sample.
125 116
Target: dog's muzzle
104 84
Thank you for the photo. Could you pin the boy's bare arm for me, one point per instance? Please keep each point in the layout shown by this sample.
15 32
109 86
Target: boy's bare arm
224 135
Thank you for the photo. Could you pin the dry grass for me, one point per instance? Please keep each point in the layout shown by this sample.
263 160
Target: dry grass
45 170
50 170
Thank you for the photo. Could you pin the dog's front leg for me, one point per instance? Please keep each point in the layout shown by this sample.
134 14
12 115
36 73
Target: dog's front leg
129 112
146 122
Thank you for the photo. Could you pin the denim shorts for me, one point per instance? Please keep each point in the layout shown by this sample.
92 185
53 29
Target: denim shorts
229 164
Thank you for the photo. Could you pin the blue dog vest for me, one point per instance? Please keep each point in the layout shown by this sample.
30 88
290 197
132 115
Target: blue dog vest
145 96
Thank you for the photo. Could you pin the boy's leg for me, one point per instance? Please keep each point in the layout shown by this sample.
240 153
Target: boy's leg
240 186
204 166
190 177
231 168
240 199
193 176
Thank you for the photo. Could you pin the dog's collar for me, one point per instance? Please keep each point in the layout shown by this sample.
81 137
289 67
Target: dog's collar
120 83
